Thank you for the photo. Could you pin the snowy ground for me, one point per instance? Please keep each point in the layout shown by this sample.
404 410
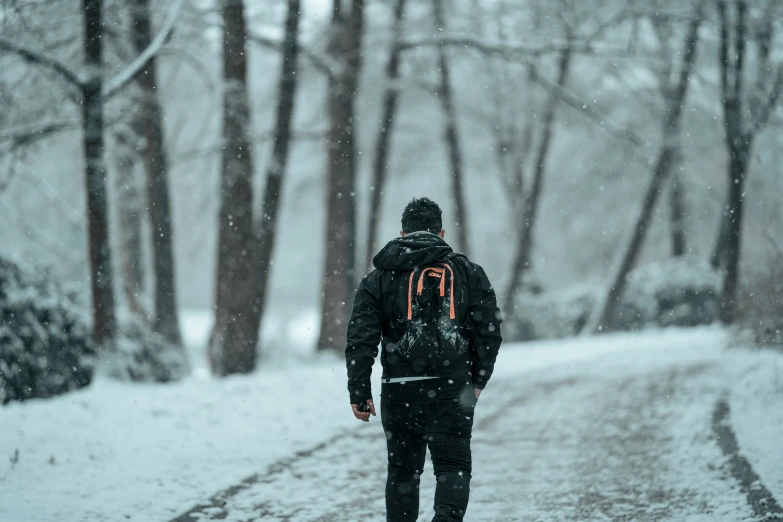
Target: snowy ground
614 428
757 419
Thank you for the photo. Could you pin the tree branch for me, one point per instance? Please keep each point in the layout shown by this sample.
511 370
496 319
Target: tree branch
322 63
44 60
9 178
43 239
772 101
724 53
691 41
620 16
663 71
526 53
25 134
772 243
114 85
194 62
28 134
588 110
55 199
739 49
258 138
730 101
499 48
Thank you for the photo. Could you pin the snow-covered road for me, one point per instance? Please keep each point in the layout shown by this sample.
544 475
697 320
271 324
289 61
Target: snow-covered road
614 427
623 435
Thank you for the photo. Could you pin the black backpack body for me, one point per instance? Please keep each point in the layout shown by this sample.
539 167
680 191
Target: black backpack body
429 312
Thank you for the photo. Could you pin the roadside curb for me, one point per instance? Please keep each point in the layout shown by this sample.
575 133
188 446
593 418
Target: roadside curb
760 499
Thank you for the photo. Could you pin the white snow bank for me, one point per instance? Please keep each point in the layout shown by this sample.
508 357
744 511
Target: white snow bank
120 451
571 352
146 452
757 419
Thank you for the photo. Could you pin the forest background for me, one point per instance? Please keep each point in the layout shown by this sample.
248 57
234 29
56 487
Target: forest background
163 155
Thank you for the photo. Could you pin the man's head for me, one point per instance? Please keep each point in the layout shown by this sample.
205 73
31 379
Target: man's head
422 214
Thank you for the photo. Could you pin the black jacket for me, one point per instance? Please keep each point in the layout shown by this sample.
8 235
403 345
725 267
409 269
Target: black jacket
378 317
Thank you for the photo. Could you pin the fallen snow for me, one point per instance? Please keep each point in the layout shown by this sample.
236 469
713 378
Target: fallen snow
757 419
616 429
119 451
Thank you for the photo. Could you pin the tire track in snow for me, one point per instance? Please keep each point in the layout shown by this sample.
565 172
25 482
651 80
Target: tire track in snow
760 498
214 507
584 448
594 451
529 393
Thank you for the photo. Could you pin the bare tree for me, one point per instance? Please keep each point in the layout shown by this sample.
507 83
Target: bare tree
130 211
510 94
150 128
93 91
719 247
664 27
676 90
513 155
232 345
677 214
277 167
451 133
382 144
533 196
340 260
742 120
104 315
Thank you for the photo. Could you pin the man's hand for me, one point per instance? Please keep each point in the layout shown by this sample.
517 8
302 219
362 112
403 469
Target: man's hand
477 392
363 415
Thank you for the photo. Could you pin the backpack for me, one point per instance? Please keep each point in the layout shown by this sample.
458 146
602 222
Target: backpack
432 335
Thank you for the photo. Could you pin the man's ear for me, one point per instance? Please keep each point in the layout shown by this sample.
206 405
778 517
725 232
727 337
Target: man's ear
402 233
442 233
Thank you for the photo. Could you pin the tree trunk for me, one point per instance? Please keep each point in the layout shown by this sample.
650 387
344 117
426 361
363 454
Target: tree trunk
103 303
602 316
154 153
130 208
738 165
381 161
520 161
739 132
739 140
232 345
677 214
521 158
718 251
617 287
451 135
522 260
338 279
277 166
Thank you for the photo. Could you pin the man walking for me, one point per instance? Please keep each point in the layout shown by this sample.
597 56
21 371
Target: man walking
435 316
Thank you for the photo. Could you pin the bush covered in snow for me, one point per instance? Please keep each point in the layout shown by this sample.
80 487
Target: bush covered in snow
45 343
682 291
551 315
141 355
676 292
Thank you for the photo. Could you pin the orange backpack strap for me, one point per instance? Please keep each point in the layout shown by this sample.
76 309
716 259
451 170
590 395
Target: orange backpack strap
447 266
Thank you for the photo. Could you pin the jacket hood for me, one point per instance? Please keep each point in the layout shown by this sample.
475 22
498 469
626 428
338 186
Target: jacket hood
412 250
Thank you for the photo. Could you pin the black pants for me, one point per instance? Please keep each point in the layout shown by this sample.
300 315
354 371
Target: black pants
432 413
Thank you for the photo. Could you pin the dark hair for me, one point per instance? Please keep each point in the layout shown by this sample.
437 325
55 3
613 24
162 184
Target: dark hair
422 214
